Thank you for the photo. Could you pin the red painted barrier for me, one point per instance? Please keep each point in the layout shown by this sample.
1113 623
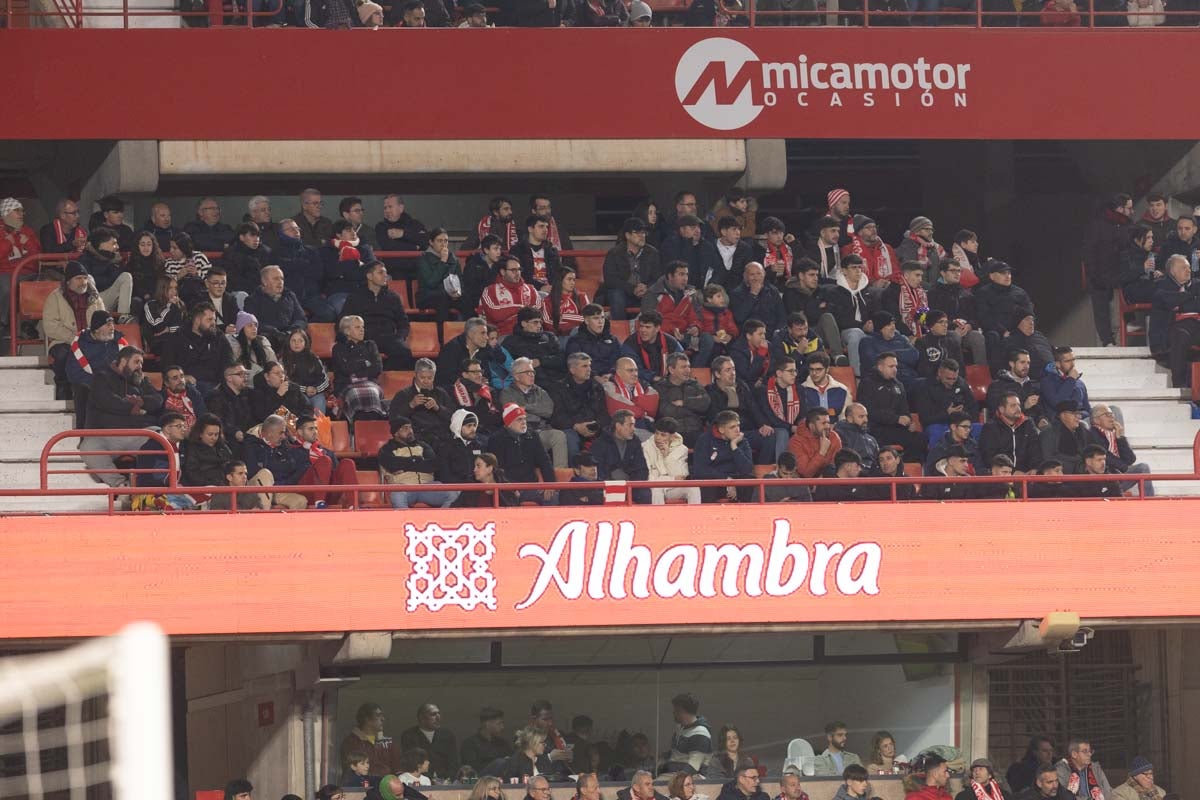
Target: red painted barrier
864 83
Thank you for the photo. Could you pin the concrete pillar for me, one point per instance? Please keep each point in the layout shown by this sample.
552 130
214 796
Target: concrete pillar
131 167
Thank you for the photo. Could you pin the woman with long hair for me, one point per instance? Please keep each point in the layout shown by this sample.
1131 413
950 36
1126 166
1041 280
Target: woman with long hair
146 265
683 787
188 266
249 349
725 759
304 368
162 314
439 278
487 471
647 211
562 311
487 788
883 754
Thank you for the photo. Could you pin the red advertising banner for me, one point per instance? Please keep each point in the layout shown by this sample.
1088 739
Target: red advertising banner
617 566
663 83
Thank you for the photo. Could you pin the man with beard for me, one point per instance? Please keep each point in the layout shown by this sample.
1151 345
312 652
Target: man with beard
200 349
497 222
1011 433
1045 783
1016 380
120 397
472 393
880 262
919 246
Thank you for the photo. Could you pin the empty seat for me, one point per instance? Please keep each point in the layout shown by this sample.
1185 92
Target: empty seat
340 439
619 328
423 340
394 381
452 328
563 474
370 434
323 335
370 499
33 296
979 378
845 375
132 334
703 375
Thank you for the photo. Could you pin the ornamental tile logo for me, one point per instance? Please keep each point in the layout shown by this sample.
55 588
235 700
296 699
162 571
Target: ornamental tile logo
724 85
450 567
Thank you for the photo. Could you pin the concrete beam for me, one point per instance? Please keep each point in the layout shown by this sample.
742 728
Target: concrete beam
766 166
449 158
131 167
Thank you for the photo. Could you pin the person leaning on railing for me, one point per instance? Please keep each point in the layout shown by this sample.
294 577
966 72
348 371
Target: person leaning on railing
120 397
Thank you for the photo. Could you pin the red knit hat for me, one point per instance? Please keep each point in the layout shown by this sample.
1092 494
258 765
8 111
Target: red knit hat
835 195
512 412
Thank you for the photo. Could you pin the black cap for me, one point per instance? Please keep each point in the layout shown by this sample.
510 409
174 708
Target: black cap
996 265
1067 405
474 8
633 225
688 219
99 320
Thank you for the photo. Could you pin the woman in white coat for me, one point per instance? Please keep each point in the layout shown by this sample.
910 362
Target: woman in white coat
667 459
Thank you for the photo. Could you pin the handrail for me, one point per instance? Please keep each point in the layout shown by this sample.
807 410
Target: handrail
864 16
72 11
172 468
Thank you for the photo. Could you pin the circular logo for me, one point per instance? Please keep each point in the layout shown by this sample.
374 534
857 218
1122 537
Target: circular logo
712 87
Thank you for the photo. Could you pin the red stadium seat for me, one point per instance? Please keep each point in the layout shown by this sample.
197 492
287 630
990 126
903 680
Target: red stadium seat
33 296
619 328
370 499
394 381
370 434
845 375
979 378
703 375
452 328
132 334
1128 308
155 379
323 335
423 340
763 469
340 444
563 474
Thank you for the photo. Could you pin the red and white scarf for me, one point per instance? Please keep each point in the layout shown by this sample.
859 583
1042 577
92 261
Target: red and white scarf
778 255
910 301
60 235
930 253
77 351
554 237
629 391
987 791
463 395
644 354
508 239
315 452
180 403
791 412
1111 437
1093 785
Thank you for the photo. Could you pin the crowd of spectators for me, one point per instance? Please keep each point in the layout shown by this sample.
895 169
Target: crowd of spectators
539 756
824 353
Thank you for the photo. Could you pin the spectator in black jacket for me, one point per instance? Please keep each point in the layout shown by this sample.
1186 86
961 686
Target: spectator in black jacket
578 403
540 262
473 393
1066 437
1139 266
151 455
948 295
847 465
586 471
1106 238
230 402
958 435
521 455
688 244
649 346
200 349
1107 432
269 451
456 458
356 366
757 299
936 345
398 230
1013 434
216 292
730 393
1094 459
64 234
683 399
207 452
208 233
997 303
1025 336
384 318
1016 379
629 269
120 397
304 271
426 404
937 399
530 340
595 339
824 249
245 259
1182 242
1177 293
480 271
887 405
273 391
750 352
619 455
734 255
351 210
278 309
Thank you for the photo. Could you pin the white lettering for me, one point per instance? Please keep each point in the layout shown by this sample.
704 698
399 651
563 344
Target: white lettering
926 99
960 99
943 76
802 99
774 75
922 73
604 532
803 72
867 581
815 75
822 555
784 551
769 98
732 557
573 535
872 76
835 101
840 77
963 69
684 583
628 552
902 76
868 100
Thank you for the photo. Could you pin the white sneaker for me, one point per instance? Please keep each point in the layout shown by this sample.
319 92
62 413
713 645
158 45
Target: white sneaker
1132 327
1111 344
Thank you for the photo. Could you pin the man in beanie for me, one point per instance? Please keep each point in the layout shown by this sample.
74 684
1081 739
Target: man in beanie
919 246
983 784
521 455
474 16
91 349
409 461
640 15
1045 776
928 779
17 240
1140 785
838 207
67 311
880 262
120 397
1083 777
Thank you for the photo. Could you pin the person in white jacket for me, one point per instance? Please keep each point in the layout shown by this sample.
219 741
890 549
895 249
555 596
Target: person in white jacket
1145 13
667 459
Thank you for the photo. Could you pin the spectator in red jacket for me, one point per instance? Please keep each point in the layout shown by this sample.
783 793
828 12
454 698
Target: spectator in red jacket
507 296
815 443
325 468
928 779
879 259
671 296
17 240
562 309
716 320
1060 14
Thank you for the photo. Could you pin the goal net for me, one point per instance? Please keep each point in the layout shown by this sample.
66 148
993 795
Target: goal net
91 722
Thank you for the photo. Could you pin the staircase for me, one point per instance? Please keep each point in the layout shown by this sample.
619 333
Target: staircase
1158 418
29 415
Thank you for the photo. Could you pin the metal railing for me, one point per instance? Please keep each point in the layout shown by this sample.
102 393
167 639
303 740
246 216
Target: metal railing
73 14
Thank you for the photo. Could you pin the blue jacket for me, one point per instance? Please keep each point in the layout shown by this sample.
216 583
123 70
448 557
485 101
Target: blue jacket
152 456
713 457
871 346
1056 389
303 271
281 315
701 258
98 355
608 458
766 307
286 464
604 349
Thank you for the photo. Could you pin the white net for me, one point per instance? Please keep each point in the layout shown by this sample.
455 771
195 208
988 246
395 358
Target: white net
88 723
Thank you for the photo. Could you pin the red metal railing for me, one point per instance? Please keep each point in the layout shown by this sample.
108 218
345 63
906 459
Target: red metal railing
73 13
610 489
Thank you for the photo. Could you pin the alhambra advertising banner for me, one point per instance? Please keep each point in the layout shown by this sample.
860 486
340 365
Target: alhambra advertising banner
792 82
611 566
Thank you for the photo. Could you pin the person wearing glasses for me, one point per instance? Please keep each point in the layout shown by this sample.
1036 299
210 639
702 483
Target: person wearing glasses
207 231
780 403
958 435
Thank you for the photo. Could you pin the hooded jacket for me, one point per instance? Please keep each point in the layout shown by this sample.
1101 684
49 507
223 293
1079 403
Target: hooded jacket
833 396
851 305
456 463
860 441
666 466
932 351
103 267
907 356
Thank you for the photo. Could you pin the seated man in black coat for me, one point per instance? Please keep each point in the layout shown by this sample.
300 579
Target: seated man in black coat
529 340
384 318
273 391
619 455
120 397
426 404
936 400
1095 462
521 455
231 403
